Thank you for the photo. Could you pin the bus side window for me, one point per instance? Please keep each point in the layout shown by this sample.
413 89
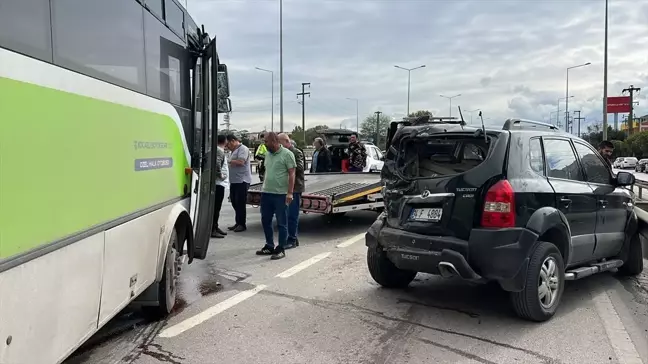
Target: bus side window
25 27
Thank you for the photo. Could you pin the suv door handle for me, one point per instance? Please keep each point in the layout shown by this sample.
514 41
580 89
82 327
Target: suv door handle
566 201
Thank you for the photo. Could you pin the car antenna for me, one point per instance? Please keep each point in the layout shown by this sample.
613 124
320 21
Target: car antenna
483 127
463 122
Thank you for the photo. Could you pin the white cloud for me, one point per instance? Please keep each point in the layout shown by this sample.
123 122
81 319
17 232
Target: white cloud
507 58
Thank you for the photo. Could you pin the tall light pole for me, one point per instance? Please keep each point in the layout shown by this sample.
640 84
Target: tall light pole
605 75
281 113
409 79
357 117
450 99
567 93
472 111
272 93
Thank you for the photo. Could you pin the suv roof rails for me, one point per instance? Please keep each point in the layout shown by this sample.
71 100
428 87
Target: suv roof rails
427 119
523 124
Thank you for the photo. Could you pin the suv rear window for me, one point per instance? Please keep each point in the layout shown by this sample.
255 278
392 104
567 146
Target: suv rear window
435 157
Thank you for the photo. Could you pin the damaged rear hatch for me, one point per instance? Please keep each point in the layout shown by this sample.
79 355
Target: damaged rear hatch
435 180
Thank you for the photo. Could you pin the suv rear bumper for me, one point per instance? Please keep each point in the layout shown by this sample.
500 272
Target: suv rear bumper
500 255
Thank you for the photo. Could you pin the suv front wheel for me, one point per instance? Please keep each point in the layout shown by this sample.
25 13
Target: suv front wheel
384 272
545 283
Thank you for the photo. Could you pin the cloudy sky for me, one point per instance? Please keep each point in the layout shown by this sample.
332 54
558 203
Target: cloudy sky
505 57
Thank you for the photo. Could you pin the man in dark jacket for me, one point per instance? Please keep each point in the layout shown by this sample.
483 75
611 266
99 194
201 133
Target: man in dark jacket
606 148
298 189
321 157
357 154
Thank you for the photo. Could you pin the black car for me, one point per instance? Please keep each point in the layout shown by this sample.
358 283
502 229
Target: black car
526 206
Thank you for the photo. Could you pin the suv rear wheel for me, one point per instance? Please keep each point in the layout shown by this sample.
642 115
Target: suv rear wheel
633 265
384 272
545 283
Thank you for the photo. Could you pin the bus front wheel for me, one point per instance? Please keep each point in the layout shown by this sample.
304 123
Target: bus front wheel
168 286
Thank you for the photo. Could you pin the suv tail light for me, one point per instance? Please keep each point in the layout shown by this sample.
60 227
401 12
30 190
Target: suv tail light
499 206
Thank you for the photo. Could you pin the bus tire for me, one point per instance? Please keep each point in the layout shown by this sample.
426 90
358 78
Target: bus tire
168 285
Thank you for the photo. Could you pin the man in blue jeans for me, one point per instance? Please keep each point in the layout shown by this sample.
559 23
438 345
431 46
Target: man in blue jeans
300 184
276 195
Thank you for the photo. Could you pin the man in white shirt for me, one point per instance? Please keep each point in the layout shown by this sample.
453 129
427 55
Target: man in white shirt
222 183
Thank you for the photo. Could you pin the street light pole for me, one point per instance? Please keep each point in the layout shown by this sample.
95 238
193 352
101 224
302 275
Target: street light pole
357 117
409 72
471 113
605 75
281 103
567 94
450 98
272 93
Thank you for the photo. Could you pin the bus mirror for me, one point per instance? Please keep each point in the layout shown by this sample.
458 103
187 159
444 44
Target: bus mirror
224 106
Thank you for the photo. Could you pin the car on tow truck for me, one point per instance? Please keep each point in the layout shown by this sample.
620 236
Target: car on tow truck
526 206
336 192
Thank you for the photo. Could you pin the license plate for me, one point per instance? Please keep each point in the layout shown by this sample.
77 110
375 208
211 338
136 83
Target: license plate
433 215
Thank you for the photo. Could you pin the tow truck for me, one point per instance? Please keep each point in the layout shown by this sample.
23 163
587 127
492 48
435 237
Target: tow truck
335 192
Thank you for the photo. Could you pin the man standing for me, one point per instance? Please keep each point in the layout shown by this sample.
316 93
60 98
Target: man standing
321 157
259 155
276 195
240 179
222 183
606 148
298 189
357 154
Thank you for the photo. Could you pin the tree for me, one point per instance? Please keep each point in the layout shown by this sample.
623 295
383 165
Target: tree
420 113
368 129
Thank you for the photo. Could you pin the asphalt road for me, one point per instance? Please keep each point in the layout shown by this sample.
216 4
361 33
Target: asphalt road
319 305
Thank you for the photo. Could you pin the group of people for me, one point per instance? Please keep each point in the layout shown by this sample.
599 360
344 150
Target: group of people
283 184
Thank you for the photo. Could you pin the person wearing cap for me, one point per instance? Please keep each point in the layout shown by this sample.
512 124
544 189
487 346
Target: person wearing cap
240 178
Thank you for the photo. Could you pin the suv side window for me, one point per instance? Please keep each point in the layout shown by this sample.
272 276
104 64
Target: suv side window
595 170
561 161
536 159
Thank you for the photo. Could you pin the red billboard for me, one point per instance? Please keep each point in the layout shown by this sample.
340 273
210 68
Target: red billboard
618 104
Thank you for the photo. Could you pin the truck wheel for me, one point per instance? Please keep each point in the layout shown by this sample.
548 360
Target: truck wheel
385 273
545 283
167 287
634 263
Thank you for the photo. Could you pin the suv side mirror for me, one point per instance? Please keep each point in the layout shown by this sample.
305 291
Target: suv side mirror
625 179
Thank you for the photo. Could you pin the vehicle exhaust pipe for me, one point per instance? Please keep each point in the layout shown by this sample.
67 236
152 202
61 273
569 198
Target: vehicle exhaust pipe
447 270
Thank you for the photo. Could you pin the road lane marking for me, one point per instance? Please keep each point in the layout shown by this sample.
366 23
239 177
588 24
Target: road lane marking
196 320
303 265
351 241
619 338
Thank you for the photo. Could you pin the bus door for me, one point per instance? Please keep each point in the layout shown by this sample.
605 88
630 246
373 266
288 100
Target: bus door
207 106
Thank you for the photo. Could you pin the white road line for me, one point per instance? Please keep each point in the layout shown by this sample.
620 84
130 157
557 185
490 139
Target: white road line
351 241
619 338
303 265
196 320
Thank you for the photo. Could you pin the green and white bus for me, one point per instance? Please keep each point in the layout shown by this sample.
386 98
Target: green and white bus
108 120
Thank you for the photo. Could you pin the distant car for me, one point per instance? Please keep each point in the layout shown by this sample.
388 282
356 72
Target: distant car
628 162
617 162
641 165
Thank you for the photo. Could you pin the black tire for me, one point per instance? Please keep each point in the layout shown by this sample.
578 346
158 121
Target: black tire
527 303
633 265
167 287
385 273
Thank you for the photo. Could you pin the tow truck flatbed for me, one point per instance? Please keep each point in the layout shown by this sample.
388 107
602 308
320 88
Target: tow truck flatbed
334 193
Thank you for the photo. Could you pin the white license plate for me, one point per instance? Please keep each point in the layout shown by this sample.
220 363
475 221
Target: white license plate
433 215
